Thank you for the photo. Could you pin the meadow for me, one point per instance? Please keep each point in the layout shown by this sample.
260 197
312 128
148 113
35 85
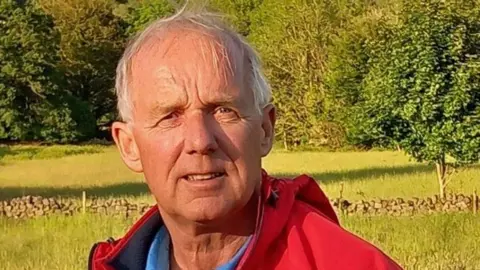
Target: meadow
439 241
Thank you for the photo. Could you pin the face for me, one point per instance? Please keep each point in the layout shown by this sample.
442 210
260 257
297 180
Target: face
196 133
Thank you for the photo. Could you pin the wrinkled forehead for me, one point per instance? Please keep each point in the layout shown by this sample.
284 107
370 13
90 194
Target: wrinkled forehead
188 50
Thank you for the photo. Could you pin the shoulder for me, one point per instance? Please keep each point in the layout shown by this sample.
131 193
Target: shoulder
310 234
330 246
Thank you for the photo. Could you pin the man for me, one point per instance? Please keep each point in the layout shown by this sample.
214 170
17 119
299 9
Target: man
197 120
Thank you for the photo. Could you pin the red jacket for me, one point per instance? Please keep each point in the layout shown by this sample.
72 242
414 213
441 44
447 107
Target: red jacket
296 229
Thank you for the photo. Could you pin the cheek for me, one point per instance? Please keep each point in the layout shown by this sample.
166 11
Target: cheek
251 142
240 139
158 153
242 145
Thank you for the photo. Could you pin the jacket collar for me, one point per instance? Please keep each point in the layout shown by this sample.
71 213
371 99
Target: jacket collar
132 251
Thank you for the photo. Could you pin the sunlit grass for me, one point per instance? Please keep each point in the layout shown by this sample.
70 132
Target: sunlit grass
101 172
384 174
444 241
440 241
55 242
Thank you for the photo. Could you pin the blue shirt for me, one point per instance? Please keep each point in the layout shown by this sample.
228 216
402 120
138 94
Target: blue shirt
158 255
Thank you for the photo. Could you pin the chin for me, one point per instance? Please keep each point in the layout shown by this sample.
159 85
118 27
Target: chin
207 210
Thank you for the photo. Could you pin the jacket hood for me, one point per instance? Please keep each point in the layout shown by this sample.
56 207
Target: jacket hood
278 198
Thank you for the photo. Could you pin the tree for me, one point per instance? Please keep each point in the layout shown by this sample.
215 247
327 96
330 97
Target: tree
33 104
422 87
292 38
92 39
289 40
349 61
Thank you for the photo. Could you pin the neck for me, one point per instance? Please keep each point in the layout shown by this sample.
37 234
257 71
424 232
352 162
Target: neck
206 246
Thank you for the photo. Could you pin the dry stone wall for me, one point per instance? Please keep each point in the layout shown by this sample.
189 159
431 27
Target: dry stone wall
36 206
401 206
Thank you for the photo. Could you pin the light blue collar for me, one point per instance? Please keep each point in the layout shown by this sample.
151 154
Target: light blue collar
158 254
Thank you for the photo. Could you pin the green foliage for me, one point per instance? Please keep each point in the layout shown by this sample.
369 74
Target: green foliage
92 40
238 12
141 13
414 81
288 36
138 14
292 38
349 62
424 85
385 73
32 152
34 106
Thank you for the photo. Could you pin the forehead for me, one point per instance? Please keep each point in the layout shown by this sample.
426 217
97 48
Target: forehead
186 57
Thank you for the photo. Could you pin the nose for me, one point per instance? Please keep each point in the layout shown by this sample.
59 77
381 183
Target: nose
199 135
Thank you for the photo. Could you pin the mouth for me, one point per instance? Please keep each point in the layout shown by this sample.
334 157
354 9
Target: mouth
203 176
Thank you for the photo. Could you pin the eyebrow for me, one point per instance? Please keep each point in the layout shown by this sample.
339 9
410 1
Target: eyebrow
159 109
223 100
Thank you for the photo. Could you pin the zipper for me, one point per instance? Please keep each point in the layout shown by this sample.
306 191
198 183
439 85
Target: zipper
248 252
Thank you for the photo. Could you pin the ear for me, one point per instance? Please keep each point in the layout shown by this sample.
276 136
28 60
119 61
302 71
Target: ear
268 125
125 141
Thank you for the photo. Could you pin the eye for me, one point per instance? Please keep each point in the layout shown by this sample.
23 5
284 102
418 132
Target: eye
170 116
225 110
169 120
225 114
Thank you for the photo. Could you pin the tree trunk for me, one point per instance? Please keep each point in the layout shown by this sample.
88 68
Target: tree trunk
441 176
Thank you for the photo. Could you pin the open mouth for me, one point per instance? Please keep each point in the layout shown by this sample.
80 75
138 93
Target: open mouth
203 177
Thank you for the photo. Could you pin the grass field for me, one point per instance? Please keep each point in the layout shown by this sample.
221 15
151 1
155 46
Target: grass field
443 241
99 171
420 242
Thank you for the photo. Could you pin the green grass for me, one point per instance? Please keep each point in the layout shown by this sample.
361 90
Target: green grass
443 241
55 242
100 171
421 242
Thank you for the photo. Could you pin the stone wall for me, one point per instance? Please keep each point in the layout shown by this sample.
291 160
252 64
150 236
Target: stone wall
35 206
401 206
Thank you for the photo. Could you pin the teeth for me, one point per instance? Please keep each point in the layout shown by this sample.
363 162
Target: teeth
202 177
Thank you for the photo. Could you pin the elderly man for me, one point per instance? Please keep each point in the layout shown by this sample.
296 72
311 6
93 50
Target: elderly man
197 120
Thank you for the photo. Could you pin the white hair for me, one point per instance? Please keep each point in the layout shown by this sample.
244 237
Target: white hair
228 38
